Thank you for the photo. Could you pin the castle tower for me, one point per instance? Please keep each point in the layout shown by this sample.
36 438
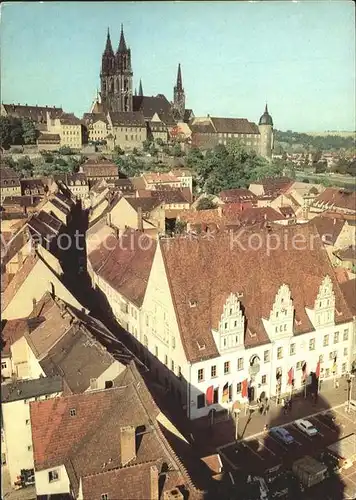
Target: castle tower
265 126
179 96
116 76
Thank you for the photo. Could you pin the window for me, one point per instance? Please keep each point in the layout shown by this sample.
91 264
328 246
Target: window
201 401
343 367
280 353
311 344
179 371
53 476
327 372
156 351
173 342
336 337
3 366
93 383
226 367
225 326
292 350
299 365
266 356
72 412
166 360
321 358
213 371
29 448
216 395
109 384
27 421
345 351
104 496
172 365
332 355
264 380
345 337
240 364
238 388
200 374
326 340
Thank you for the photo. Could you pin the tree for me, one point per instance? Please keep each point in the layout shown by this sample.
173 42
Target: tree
16 131
320 167
119 150
146 145
180 226
29 131
206 203
177 150
159 141
25 166
65 150
5 132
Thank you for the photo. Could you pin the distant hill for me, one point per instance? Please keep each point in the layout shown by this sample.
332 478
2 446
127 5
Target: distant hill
341 133
299 142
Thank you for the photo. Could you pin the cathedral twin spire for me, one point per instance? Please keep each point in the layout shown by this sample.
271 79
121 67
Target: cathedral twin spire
122 44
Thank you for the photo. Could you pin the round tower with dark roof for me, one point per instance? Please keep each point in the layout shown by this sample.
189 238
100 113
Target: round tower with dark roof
265 126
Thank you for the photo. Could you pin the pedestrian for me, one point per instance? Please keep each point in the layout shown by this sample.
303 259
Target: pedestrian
290 403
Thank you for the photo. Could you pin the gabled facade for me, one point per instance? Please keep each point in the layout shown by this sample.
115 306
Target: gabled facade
213 343
16 423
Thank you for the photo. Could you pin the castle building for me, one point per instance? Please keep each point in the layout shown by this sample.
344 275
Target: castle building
208 132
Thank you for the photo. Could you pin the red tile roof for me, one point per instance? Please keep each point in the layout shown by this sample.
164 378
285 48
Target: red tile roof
17 281
125 263
329 229
234 125
254 215
338 198
13 330
237 195
207 270
88 442
341 274
348 289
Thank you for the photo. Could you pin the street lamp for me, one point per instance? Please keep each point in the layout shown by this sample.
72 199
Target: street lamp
349 390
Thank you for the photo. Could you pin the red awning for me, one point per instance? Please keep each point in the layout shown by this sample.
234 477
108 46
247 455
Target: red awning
210 395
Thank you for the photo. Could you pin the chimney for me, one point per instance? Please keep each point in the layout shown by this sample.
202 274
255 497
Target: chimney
139 219
128 446
108 219
154 487
34 302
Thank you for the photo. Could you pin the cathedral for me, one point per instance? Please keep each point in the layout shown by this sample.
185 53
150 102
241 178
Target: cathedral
116 88
124 117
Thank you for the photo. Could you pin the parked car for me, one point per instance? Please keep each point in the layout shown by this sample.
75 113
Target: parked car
282 434
306 427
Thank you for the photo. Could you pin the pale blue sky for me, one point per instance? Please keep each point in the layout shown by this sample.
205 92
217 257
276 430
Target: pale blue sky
300 56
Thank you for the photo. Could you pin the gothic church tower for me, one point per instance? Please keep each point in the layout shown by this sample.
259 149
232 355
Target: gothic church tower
179 97
116 76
